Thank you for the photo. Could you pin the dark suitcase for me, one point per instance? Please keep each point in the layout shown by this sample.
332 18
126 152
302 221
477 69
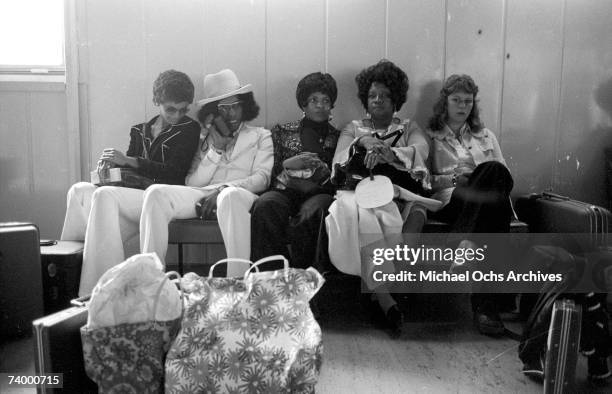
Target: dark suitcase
58 349
61 273
562 347
21 299
551 213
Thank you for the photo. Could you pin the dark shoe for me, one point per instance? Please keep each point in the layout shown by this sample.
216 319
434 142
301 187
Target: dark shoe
395 320
488 323
598 369
534 369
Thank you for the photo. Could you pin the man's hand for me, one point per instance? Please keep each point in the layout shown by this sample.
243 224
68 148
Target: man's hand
219 142
111 155
206 208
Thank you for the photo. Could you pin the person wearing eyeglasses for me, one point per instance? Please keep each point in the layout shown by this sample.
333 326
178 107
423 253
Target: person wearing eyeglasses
301 192
161 150
470 177
394 148
233 164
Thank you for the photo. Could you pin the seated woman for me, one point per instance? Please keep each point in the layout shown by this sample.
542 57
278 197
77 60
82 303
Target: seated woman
234 163
382 89
301 192
161 150
470 177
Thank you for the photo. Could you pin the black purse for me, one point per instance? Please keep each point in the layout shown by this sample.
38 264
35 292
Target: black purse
348 174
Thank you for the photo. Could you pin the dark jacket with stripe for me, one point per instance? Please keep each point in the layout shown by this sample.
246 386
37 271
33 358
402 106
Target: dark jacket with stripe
167 158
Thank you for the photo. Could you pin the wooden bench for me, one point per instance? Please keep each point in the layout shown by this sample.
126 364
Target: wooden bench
196 231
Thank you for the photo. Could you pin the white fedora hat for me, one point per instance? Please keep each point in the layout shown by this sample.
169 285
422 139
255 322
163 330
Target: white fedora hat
222 85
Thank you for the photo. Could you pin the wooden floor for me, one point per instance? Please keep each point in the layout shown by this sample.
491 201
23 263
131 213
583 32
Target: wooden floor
438 352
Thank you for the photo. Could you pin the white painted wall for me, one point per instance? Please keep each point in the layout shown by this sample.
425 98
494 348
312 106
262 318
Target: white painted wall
544 69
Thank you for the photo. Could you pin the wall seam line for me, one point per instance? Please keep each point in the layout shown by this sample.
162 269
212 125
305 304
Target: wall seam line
28 117
555 166
445 41
503 70
266 61
387 29
326 38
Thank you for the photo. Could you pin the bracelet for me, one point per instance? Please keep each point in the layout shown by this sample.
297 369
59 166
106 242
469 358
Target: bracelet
454 179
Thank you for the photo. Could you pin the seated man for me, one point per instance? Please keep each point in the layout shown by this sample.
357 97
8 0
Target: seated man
107 217
233 163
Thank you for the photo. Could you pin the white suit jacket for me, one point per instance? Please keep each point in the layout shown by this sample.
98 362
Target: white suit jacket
248 165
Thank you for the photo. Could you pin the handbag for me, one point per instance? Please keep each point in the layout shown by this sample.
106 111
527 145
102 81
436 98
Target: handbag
304 181
348 174
119 176
250 334
129 357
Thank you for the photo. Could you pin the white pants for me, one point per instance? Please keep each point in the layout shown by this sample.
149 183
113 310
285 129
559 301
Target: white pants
106 218
353 232
163 203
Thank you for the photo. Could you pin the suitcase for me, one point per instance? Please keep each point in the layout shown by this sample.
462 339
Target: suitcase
562 347
21 299
61 273
551 213
58 349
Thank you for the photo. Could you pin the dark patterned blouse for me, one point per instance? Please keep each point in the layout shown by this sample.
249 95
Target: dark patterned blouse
301 136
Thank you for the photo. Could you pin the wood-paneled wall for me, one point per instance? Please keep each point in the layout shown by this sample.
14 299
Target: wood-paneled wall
544 69
538 65
35 169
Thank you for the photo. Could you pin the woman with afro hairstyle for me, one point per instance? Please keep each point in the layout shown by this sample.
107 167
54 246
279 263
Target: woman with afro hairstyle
161 150
391 147
301 192
470 177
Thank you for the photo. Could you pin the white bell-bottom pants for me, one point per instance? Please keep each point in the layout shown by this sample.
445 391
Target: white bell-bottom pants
106 218
163 203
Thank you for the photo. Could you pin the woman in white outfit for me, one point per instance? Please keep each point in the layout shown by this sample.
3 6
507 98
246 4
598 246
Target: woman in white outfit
234 163
161 150
401 157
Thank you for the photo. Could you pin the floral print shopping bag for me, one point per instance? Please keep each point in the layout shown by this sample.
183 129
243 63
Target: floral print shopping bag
251 335
129 358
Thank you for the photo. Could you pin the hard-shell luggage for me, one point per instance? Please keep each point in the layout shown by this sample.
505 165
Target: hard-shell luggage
552 213
562 347
21 299
61 273
58 349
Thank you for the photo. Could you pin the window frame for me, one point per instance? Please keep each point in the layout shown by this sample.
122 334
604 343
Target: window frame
38 72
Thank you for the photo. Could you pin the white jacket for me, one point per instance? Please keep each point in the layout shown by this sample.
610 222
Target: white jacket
248 165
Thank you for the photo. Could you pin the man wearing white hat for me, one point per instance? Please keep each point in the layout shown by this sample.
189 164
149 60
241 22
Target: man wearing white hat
234 163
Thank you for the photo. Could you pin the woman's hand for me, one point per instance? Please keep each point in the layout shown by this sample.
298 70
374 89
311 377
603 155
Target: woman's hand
380 153
372 158
206 208
462 176
370 143
385 154
462 180
302 161
111 155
